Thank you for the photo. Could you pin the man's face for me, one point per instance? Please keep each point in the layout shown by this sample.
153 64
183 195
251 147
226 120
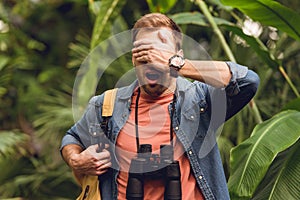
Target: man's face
151 53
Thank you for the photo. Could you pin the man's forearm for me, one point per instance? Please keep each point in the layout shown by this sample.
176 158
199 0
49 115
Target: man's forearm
214 73
87 161
70 150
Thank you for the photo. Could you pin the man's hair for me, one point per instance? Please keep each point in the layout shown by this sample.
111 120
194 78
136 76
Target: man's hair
158 20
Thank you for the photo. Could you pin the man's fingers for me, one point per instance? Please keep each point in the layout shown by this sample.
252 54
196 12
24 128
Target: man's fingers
104 154
103 165
102 171
145 58
141 53
102 162
142 42
159 47
142 48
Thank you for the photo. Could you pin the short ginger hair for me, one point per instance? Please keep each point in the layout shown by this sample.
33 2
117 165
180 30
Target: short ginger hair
158 20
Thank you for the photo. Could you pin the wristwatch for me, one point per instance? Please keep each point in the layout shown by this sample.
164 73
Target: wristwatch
176 62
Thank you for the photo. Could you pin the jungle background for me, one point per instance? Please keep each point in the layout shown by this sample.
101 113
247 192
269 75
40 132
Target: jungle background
44 42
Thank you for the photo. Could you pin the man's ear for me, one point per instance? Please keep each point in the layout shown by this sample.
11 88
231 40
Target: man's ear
180 53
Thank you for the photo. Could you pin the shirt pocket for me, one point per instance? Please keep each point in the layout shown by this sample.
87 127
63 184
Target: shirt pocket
196 119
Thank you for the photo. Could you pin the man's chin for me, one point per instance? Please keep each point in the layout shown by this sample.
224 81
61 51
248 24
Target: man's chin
154 90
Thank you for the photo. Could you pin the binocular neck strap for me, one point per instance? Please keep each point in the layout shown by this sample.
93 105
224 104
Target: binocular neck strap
137 121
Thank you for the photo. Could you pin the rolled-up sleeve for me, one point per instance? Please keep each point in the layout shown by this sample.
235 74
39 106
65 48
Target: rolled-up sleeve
71 137
237 72
241 88
80 132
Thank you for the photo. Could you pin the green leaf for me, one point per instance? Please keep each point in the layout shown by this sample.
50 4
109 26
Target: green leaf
270 13
293 105
161 6
108 12
78 50
256 45
189 18
251 159
88 80
94 7
219 5
198 19
225 146
282 179
3 61
9 143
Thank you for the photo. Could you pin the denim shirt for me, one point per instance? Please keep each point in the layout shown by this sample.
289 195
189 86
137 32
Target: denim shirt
199 111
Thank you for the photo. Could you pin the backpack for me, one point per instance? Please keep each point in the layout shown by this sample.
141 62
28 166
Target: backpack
90 184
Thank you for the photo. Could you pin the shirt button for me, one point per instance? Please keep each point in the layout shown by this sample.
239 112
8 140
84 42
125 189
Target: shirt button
200 177
190 152
192 117
202 110
176 128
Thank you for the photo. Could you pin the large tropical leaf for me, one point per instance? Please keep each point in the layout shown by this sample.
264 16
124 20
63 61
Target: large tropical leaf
195 18
109 10
88 76
225 145
270 13
282 179
293 105
251 159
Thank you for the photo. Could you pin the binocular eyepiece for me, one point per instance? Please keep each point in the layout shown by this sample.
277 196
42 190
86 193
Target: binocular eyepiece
153 166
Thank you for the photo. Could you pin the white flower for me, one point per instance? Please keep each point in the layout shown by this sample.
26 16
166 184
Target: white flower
252 28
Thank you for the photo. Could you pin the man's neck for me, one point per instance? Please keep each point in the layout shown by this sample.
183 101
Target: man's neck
169 90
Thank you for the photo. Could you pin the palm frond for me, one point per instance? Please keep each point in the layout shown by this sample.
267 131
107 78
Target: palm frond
12 143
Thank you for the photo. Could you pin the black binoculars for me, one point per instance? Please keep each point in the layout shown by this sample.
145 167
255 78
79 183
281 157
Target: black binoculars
153 166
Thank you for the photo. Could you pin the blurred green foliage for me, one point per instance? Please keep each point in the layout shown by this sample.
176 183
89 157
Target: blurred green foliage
44 43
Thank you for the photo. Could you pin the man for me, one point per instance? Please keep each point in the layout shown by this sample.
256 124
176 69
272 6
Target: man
164 108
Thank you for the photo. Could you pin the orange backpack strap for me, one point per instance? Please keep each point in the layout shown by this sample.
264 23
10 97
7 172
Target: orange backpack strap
109 102
90 184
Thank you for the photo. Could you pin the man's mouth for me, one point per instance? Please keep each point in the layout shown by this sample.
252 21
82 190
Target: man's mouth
152 76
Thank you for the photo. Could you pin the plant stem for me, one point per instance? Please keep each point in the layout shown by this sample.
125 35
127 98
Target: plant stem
256 112
287 78
207 14
203 7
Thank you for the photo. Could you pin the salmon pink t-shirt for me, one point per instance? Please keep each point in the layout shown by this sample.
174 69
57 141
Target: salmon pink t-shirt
153 128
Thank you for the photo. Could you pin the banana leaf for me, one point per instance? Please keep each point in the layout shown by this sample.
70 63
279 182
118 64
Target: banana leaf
293 105
250 161
270 13
282 179
196 18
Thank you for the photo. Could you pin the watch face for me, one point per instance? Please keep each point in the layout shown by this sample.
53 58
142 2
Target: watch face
177 61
